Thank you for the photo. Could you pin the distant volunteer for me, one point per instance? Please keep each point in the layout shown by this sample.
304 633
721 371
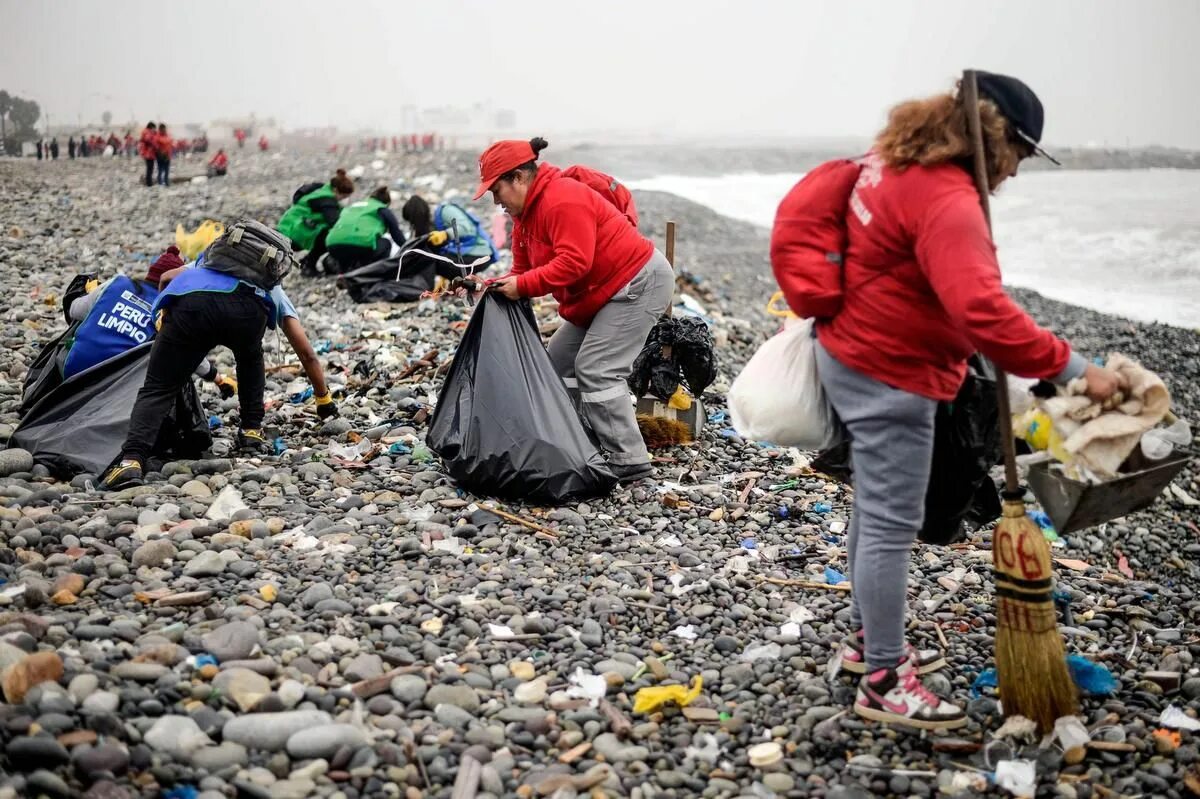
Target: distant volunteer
315 210
922 293
364 233
218 166
201 309
147 149
454 233
610 282
116 317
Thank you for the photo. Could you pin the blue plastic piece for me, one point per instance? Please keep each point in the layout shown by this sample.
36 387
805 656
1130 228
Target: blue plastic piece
822 507
783 511
716 417
205 660
399 448
833 576
214 422
749 543
323 346
306 394
279 445
1091 678
181 792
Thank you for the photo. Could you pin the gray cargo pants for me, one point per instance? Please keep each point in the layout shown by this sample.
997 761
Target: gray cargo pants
594 361
891 447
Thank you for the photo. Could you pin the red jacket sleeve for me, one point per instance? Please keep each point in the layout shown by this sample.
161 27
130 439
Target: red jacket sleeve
956 254
572 231
520 251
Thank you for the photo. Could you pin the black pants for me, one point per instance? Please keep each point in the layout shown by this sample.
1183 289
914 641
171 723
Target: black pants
164 171
350 258
193 325
149 171
309 263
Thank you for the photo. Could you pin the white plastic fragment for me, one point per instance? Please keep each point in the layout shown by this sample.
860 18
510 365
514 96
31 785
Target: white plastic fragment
227 503
1019 777
501 631
591 687
1176 719
687 632
1071 733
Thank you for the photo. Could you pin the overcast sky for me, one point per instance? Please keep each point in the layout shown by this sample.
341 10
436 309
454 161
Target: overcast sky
1108 71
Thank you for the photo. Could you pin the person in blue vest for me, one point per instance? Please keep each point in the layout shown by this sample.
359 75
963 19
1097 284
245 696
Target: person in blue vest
454 233
114 316
197 310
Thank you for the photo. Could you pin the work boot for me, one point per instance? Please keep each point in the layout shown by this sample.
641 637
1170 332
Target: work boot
854 656
632 472
126 474
896 696
253 442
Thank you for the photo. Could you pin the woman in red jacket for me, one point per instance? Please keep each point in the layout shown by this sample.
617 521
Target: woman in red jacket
610 282
164 145
922 293
148 150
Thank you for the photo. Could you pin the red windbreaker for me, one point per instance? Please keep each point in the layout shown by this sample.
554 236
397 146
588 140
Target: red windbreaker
923 290
164 145
572 243
148 144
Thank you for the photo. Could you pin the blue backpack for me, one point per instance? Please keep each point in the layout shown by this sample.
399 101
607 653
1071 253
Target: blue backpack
464 242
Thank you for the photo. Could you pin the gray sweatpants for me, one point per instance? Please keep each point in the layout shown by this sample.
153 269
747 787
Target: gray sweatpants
594 361
891 446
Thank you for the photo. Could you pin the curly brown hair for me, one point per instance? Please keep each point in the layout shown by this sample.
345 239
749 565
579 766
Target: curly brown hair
934 131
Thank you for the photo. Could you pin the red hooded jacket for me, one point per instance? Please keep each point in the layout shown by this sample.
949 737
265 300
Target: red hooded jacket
923 290
148 144
572 243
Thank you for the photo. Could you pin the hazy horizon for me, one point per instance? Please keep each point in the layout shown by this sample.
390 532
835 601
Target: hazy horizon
1107 72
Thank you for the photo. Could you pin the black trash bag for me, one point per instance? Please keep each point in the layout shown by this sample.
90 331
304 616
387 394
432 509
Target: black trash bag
966 444
45 373
675 350
504 424
80 425
377 282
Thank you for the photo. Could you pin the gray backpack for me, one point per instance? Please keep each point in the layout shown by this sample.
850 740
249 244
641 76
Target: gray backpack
253 252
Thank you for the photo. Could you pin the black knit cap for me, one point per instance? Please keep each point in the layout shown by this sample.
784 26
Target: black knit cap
1019 105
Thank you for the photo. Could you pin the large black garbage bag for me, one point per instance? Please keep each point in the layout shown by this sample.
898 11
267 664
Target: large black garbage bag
504 424
45 373
377 282
675 349
966 444
80 425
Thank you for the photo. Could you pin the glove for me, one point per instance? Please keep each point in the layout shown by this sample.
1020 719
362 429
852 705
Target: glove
226 385
437 238
326 407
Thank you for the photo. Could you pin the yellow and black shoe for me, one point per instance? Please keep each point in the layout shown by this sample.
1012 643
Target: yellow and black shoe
125 474
253 441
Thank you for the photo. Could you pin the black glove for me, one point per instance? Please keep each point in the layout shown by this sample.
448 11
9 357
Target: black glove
326 407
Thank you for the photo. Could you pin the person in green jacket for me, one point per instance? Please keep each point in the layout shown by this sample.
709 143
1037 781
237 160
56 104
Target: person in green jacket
364 233
315 209
454 233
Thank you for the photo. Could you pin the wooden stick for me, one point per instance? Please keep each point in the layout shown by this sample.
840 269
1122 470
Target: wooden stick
807 584
520 521
467 781
365 689
621 726
671 261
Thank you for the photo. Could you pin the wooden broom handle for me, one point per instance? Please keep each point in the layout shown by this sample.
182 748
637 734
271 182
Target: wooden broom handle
970 97
671 261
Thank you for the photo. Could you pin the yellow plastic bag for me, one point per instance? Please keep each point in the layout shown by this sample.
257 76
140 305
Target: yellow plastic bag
1036 429
192 244
648 700
680 400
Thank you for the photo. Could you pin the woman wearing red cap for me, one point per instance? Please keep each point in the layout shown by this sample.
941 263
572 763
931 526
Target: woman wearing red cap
922 293
610 282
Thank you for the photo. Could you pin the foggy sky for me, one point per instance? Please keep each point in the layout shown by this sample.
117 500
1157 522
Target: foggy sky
1108 72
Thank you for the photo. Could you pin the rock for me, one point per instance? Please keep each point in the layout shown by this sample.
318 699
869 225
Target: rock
245 687
178 736
462 696
154 553
315 594
409 688
324 740
218 758
13 461
364 667
614 751
30 752
234 640
271 731
107 758
37 668
206 564
140 672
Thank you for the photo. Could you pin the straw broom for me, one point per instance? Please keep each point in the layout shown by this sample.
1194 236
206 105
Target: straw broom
1030 657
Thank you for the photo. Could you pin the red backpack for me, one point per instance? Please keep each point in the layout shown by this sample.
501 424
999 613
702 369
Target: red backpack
808 241
607 187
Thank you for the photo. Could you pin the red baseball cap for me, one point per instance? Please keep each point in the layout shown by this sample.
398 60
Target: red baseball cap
501 157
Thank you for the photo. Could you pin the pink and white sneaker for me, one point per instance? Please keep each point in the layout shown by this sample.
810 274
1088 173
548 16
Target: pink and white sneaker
854 656
896 696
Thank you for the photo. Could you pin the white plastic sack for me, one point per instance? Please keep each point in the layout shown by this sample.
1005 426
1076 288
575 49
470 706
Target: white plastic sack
778 397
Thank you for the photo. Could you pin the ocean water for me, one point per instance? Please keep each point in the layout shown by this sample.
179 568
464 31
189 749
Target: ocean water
1123 242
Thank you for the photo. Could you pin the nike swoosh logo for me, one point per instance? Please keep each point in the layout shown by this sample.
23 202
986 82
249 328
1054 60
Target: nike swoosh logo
900 709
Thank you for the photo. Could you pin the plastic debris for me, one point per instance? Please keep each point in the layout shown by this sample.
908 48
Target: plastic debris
1043 522
749 543
790 629
687 632
1017 727
801 615
1176 719
765 755
399 448
300 397
279 445
1090 678
769 651
501 632
227 503
821 508
214 422
202 660
1071 733
650 699
1159 442
349 452
1019 777
708 750
421 454
181 792
1123 564
591 687
833 576
669 541
679 589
